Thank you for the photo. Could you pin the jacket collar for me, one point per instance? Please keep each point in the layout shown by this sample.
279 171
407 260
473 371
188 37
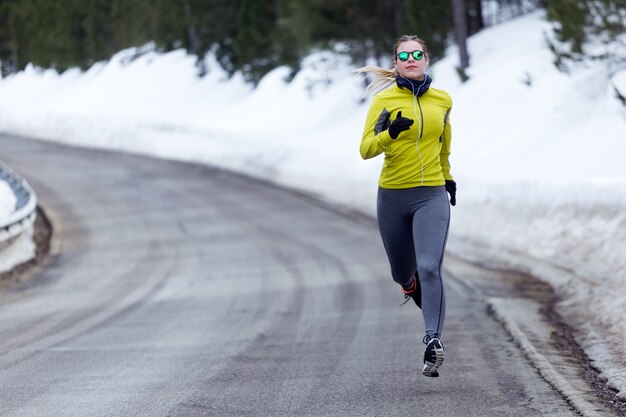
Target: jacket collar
417 87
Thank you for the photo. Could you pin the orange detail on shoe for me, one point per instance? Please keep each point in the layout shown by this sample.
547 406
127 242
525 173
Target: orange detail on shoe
412 289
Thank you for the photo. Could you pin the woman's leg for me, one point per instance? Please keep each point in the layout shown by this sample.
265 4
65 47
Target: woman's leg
431 220
395 219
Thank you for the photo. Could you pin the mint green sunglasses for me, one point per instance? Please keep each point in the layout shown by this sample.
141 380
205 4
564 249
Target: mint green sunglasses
404 56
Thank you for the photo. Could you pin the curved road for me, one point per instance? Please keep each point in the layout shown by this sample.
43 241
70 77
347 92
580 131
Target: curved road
182 290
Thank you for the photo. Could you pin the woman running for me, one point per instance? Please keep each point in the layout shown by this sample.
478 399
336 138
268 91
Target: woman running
409 122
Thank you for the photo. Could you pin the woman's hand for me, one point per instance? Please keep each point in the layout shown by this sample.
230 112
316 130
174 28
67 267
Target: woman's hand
399 125
451 189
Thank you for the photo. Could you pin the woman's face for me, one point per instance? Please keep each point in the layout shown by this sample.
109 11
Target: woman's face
412 68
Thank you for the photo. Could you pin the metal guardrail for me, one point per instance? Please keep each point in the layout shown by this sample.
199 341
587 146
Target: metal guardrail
25 210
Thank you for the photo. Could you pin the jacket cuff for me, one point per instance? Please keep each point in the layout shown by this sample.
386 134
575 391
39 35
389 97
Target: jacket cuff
384 140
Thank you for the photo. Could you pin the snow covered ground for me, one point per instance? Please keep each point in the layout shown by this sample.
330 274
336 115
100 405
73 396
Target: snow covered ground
21 249
7 200
538 155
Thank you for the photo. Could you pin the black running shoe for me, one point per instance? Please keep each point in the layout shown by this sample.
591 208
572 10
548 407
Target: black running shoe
433 356
415 292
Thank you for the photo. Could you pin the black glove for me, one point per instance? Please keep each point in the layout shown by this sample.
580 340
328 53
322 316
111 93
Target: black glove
399 125
451 189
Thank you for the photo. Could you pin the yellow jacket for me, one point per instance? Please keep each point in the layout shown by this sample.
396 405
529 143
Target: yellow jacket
418 156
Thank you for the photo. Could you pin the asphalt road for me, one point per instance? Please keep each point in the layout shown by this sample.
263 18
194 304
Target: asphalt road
181 290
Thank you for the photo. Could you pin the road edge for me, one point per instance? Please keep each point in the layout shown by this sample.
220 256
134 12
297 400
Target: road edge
47 244
497 306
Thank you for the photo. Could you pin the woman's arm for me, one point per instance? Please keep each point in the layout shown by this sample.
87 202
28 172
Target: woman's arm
375 135
444 155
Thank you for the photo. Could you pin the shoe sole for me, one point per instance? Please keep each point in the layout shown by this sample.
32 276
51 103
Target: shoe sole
431 369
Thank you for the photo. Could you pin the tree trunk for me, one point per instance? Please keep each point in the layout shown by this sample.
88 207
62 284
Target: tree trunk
460 31
480 23
194 40
398 14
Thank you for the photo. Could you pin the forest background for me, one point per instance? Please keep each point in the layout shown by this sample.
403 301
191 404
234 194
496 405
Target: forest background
256 36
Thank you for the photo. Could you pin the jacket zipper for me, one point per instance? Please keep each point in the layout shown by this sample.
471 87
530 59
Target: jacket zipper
422 117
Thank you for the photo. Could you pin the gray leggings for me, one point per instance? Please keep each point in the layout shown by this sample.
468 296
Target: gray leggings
414 225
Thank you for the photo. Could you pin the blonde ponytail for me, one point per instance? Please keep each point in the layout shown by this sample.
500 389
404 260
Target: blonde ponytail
384 78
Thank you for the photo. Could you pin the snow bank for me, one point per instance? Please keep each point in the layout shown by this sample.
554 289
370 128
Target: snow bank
22 249
7 200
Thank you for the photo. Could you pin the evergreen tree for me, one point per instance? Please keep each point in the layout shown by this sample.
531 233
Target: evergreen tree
6 51
588 30
17 14
254 42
